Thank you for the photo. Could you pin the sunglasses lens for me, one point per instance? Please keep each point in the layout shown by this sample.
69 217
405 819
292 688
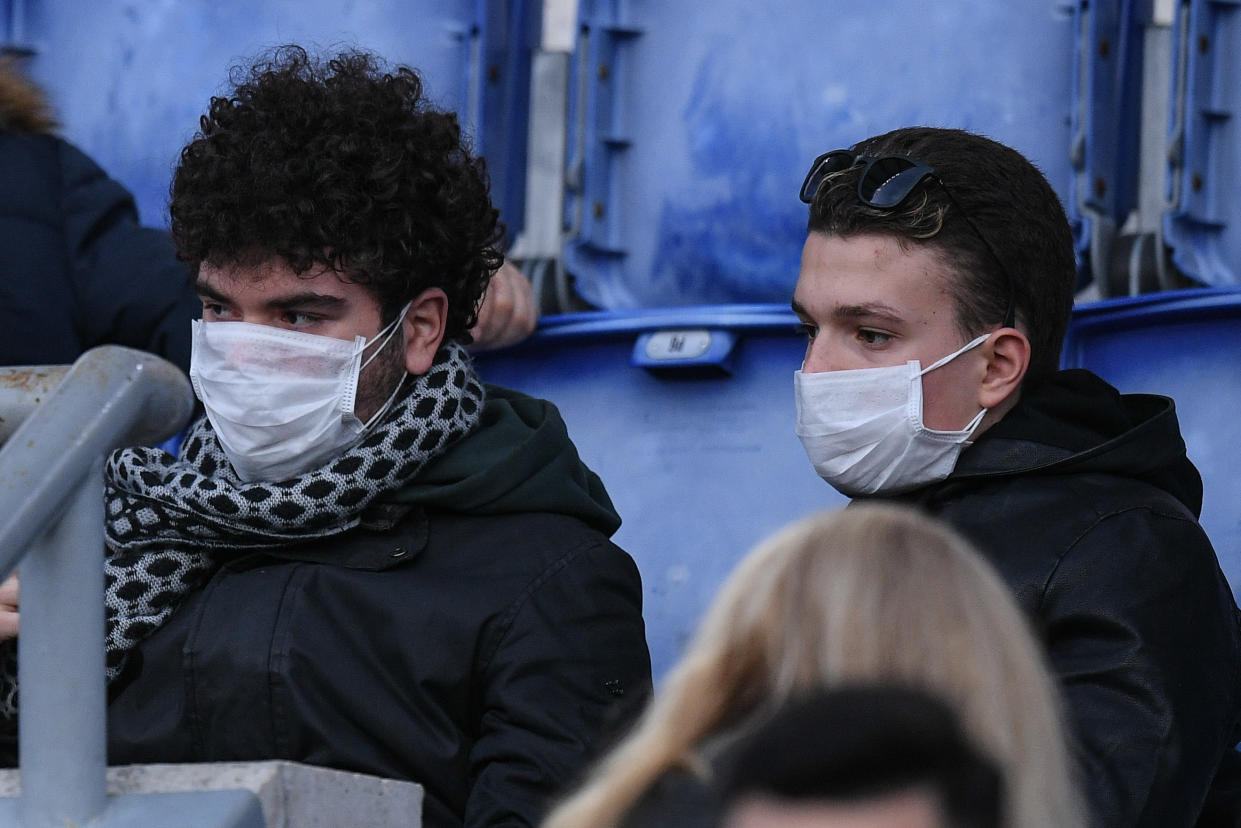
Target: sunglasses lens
889 181
827 164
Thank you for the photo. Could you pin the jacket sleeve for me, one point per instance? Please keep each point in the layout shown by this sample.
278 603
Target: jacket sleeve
129 287
568 658
1143 634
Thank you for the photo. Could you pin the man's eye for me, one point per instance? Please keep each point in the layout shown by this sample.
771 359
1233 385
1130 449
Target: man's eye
870 337
808 331
297 319
213 309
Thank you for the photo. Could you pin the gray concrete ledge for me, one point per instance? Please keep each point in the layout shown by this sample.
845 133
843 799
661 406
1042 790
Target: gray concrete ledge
291 795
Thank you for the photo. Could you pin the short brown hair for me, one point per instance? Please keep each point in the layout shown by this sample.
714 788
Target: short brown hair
1006 198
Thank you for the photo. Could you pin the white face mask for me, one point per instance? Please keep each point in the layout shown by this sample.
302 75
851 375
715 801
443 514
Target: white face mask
863 430
280 402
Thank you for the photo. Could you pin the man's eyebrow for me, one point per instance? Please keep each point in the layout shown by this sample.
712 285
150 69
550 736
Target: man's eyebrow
207 291
309 299
305 300
871 310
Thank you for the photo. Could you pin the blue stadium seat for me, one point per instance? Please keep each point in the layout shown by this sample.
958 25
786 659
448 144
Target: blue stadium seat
687 414
130 81
692 124
1186 345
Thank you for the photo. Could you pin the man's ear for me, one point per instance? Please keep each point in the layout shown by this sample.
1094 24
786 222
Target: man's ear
424 326
1008 358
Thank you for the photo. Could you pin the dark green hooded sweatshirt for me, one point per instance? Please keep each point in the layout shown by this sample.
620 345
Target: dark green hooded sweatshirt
519 459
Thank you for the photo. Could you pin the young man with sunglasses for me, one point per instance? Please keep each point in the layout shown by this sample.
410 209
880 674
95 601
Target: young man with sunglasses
361 557
936 285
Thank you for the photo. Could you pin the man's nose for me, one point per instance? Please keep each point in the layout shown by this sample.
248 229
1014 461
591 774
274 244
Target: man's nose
819 357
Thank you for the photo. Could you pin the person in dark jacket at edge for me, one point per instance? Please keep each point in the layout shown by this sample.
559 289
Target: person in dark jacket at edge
362 558
936 287
79 269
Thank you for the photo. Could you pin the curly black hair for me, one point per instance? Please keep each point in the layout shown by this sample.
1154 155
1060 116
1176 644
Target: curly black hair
339 162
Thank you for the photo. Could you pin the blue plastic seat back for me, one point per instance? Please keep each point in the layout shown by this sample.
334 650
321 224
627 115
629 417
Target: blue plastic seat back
1202 215
687 415
692 124
1186 345
130 80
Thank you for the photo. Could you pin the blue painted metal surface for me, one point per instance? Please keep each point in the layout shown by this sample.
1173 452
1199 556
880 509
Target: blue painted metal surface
1186 345
507 32
692 124
130 80
201 809
698 451
51 510
13 39
61 664
1203 224
1106 119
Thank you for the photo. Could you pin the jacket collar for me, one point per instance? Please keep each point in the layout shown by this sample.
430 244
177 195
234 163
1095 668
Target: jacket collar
1076 423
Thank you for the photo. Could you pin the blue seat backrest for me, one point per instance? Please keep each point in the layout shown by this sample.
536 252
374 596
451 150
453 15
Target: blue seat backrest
1186 345
687 415
691 125
130 81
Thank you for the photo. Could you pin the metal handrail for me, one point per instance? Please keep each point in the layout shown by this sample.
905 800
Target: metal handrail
51 512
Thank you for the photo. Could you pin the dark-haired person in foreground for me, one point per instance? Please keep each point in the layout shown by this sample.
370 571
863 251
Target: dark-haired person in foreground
861 756
936 286
362 558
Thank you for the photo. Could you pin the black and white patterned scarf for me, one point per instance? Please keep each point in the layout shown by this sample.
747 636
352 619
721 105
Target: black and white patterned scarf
171 522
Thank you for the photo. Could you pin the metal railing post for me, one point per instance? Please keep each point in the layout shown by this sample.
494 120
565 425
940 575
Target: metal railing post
51 503
61 661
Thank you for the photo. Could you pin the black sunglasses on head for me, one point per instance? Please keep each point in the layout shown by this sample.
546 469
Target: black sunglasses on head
885 183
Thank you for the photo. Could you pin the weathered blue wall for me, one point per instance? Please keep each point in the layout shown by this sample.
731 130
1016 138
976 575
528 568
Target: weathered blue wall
130 79
703 118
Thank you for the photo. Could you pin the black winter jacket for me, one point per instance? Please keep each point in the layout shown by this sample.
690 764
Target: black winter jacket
479 647
78 269
1086 503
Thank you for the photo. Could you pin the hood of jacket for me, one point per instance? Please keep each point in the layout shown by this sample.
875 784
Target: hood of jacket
519 459
1074 422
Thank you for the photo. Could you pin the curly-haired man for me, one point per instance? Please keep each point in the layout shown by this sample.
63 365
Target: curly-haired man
362 558
936 286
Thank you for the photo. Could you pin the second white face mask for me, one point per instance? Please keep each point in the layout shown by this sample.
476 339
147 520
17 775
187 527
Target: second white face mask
863 432
281 402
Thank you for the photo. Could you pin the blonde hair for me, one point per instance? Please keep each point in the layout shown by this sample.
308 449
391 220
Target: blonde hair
873 592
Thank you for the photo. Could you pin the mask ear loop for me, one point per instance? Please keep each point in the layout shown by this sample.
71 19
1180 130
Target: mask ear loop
975 423
969 346
383 409
387 333
391 328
